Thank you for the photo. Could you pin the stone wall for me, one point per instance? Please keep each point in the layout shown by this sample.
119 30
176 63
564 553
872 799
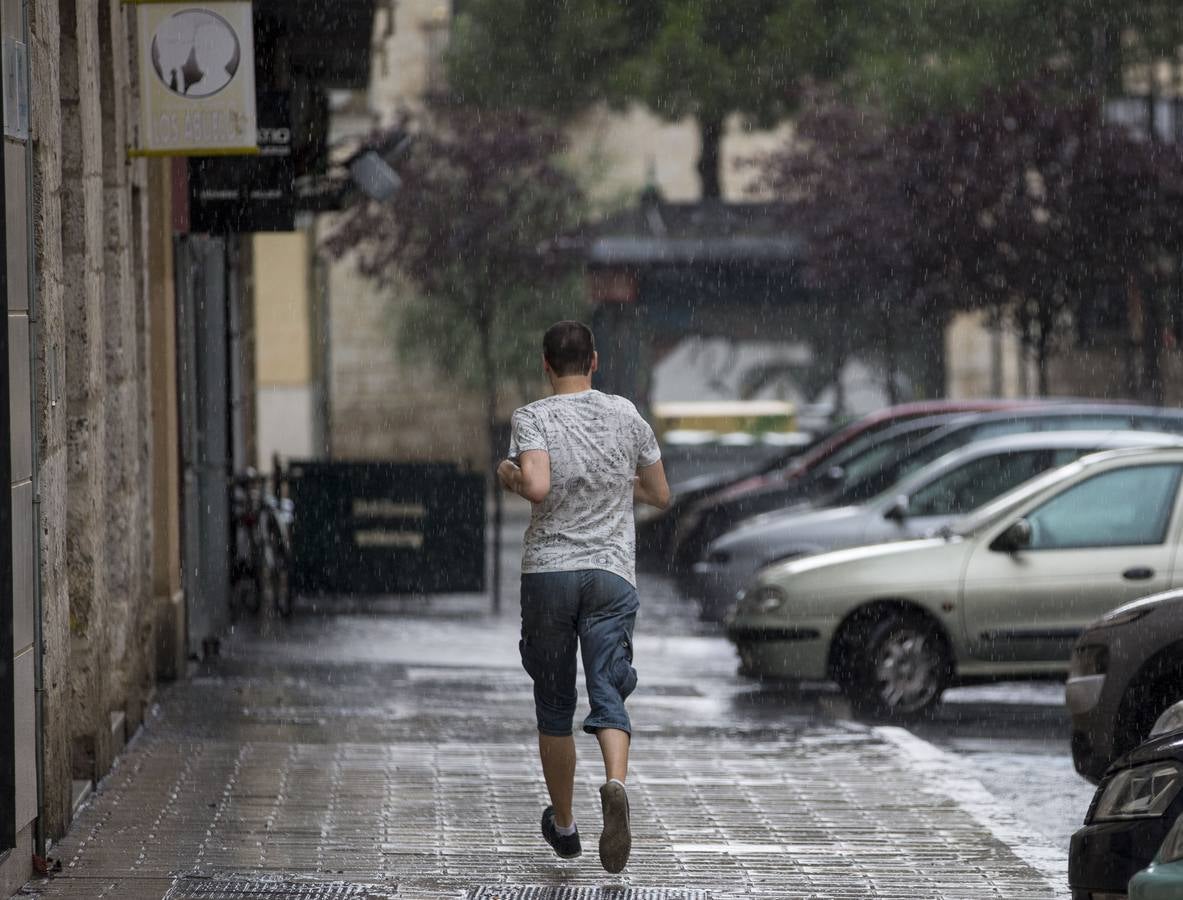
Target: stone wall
92 392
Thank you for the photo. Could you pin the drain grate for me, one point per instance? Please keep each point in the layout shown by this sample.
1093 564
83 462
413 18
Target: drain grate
543 892
247 887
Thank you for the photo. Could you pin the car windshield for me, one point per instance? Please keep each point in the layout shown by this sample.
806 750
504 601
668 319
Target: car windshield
986 514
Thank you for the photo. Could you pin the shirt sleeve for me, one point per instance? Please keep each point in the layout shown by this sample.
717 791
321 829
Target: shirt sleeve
525 434
648 451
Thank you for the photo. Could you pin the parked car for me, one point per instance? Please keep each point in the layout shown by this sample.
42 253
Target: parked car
717 513
1003 592
1127 667
655 530
1132 822
951 486
845 485
1163 878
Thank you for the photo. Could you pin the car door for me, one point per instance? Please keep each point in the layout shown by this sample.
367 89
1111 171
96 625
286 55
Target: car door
1095 544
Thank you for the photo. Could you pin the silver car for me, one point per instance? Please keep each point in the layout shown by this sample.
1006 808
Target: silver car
1003 592
933 497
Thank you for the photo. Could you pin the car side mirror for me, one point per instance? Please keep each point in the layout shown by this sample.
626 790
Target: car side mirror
898 511
1016 537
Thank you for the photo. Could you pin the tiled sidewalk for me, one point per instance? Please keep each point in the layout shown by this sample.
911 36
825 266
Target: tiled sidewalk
355 770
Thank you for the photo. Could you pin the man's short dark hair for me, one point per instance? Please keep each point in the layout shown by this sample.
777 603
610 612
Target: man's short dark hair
568 348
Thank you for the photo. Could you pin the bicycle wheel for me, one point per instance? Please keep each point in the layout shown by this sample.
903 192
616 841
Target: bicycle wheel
280 570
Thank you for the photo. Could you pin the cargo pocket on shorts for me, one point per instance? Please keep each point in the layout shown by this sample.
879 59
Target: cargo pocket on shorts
624 676
528 661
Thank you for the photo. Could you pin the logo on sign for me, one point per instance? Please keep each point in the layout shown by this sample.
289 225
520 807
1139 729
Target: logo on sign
195 53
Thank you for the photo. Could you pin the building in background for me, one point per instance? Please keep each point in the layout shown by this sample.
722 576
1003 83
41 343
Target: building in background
382 405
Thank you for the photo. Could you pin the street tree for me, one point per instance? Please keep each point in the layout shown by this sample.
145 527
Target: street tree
841 182
481 197
703 58
1034 209
916 56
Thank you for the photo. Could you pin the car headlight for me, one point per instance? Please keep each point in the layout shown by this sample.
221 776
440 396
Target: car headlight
764 599
1089 659
1172 845
1142 792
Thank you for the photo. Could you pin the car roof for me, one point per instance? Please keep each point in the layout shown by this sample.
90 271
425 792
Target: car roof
1036 440
987 514
881 419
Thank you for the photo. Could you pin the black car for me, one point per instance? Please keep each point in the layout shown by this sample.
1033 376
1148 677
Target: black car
899 454
1135 806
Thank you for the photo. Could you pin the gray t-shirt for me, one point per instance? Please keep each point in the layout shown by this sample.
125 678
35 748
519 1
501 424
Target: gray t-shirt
596 443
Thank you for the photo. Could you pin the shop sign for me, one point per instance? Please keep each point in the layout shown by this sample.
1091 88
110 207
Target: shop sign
239 194
197 78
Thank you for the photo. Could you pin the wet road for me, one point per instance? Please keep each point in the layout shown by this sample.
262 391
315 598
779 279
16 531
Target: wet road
1014 735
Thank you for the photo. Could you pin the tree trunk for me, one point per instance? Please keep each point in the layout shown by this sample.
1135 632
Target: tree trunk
710 160
484 323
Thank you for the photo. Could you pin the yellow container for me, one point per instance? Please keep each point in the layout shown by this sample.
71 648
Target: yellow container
726 416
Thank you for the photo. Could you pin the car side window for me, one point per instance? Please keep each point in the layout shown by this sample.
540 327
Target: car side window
1121 508
969 486
1100 422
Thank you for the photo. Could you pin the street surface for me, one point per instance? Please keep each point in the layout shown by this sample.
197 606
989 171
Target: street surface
386 749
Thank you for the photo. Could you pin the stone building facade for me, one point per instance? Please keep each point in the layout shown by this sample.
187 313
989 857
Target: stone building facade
89 295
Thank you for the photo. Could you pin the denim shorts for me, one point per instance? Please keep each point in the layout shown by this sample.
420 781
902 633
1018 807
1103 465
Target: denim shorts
595 610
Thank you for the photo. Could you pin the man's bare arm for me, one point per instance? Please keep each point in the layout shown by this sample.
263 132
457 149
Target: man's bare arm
650 486
529 477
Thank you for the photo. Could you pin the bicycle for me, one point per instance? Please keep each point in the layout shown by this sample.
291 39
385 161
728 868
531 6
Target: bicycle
261 563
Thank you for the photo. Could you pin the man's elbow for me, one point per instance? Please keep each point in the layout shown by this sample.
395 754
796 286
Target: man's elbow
663 499
535 493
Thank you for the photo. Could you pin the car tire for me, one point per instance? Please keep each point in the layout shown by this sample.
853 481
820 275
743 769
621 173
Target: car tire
896 666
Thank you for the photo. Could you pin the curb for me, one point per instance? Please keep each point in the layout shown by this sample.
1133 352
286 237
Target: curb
948 776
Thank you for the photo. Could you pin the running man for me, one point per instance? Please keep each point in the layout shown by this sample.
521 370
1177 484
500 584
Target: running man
582 458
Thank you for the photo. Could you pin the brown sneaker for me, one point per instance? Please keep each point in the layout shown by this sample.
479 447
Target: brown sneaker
616 840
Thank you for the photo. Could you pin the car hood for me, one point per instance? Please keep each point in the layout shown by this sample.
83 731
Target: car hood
1167 746
1154 601
808 527
878 569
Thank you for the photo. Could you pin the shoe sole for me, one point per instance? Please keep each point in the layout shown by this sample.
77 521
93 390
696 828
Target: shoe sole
616 840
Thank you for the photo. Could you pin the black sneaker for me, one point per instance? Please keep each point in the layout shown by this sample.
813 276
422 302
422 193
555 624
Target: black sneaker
616 840
567 846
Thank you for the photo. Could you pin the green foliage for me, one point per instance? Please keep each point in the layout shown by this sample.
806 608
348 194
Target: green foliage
915 57
482 200
449 340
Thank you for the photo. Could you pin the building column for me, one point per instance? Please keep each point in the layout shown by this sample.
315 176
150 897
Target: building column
50 427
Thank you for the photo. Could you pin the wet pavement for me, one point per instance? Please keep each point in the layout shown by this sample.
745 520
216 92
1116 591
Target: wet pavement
386 750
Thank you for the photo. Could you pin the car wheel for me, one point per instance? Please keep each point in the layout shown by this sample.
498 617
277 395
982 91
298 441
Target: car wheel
899 668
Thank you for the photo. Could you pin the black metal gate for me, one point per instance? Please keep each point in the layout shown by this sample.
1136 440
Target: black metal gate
387 528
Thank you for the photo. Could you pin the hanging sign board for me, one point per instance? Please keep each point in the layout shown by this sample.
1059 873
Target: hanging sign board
197 79
236 194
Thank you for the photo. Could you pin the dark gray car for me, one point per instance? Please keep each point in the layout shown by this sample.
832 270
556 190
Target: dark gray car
1127 667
